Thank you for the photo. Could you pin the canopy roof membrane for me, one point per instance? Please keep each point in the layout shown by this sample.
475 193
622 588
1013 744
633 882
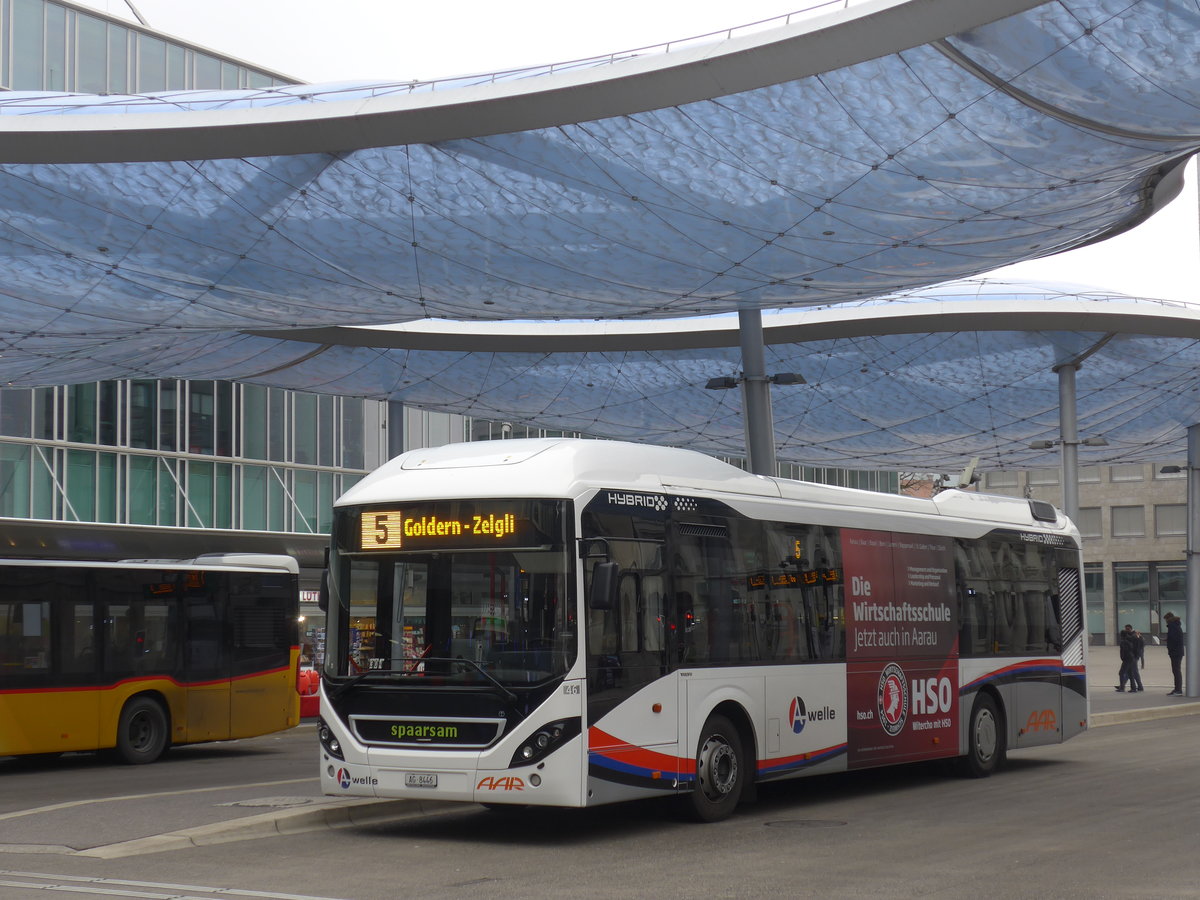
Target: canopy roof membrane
902 144
884 148
923 380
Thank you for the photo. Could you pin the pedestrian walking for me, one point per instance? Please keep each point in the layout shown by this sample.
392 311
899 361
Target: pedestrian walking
1175 651
1128 659
1138 644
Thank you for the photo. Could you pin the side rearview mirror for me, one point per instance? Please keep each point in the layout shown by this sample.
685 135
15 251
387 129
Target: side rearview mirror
602 592
323 594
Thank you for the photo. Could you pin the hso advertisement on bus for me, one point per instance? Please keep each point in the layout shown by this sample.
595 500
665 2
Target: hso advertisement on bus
901 647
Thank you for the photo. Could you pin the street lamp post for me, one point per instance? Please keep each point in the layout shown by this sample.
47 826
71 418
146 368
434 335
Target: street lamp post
757 418
1191 617
1192 622
1069 427
758 421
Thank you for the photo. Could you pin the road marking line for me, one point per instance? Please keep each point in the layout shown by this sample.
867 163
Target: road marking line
96 885
71 804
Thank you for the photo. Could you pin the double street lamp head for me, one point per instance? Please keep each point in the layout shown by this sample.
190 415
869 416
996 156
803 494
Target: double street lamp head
1086 442
727 382
724 383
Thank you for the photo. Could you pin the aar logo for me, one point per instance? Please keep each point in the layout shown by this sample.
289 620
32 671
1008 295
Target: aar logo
892 699
502 783
798 715
343 778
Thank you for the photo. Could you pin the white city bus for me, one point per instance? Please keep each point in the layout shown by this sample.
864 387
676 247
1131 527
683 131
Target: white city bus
572 622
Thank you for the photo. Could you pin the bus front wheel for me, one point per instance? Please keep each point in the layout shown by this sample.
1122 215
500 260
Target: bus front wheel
142 733
720 771
986 742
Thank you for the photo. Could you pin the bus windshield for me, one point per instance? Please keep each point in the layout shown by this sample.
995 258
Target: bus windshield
462 617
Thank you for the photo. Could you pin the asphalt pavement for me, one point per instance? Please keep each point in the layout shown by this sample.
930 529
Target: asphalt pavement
212 794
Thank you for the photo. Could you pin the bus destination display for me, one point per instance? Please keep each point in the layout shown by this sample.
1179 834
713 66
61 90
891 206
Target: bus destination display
426 528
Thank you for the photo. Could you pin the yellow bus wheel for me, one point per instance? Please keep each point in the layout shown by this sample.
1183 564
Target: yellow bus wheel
142 733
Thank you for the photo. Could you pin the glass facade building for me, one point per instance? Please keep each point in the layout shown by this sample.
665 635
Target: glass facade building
189 454
143 468
52 46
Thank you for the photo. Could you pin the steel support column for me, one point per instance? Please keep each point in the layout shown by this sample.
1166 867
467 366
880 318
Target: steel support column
395 428
756 396
1068 424
1191 616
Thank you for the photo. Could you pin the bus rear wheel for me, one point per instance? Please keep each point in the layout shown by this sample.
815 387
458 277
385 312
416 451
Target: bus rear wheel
720 771
142 733
986 743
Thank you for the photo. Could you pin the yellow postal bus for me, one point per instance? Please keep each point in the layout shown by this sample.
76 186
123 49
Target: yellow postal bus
140 655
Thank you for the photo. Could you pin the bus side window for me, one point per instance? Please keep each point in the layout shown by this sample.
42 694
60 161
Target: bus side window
703 571
976 609
628 617
25 636
205 654
603 637
832 612
119 654
694 612
78 636
263 634
156 635
653 614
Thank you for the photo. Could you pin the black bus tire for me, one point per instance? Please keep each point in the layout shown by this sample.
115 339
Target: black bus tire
986 744
720 771
142 733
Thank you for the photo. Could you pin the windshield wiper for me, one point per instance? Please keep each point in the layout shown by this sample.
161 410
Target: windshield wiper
372 673
509 695
408 673
358 679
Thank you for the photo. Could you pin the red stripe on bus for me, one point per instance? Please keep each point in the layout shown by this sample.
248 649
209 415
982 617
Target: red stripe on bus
606 745
117 684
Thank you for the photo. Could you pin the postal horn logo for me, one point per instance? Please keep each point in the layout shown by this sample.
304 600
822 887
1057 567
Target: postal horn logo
798 715
892 699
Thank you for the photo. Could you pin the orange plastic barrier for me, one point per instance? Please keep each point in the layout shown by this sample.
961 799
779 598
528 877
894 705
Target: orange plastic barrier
309 684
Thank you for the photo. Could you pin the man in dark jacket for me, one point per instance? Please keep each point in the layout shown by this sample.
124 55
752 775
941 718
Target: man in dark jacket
1175 651
1128 660
1138 645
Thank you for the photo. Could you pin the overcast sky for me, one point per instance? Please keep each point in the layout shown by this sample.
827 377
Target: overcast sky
401 40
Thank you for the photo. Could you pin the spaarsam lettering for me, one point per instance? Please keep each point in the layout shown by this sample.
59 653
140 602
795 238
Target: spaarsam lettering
424 732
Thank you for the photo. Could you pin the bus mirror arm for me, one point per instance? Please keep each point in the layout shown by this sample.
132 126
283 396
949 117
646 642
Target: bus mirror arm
602 592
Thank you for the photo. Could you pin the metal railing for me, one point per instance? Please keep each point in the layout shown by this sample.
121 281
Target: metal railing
32 103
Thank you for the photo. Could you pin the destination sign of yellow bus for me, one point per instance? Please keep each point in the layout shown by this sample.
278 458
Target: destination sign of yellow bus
392 529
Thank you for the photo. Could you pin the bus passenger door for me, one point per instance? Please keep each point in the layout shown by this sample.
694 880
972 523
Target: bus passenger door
263 696
78 665
1039 718
206 668
633 709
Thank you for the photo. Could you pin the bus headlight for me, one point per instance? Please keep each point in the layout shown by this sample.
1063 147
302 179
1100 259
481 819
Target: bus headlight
329 741
545 741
